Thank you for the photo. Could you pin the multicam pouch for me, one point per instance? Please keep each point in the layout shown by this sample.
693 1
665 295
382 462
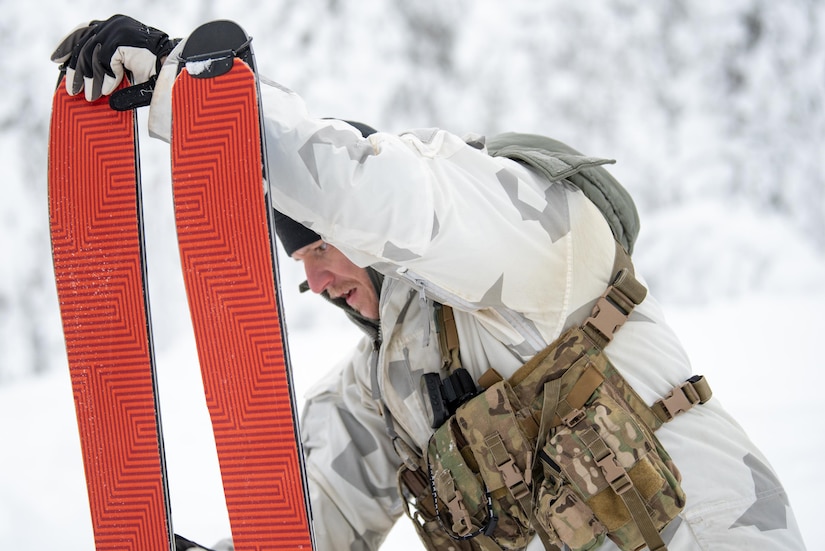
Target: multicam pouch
616 466
464 504
414 486
501 441
565 518
600 470
604 472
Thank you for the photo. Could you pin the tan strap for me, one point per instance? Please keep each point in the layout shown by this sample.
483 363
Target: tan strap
517 483
571 409
415 484
489 378
447 337
549 419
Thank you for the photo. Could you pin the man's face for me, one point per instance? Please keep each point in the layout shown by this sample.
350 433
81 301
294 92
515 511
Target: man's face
327 269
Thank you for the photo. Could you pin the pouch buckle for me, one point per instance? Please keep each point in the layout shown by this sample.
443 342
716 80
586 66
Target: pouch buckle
516 482
462 521
513 479
614 473
574 417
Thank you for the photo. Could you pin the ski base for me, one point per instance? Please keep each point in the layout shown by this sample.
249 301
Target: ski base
94 198
230 272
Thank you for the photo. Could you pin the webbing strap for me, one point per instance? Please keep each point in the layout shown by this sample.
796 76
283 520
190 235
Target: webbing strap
447 337
416 484
552 390
621 483
611 312
570 410
517 483
412 459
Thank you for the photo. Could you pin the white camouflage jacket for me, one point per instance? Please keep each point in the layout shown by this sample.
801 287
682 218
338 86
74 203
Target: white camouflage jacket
520 260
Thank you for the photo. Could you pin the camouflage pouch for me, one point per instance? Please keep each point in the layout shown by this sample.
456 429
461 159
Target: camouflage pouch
461 502
564 448
417 500
565 518
466 507
612 461
501 437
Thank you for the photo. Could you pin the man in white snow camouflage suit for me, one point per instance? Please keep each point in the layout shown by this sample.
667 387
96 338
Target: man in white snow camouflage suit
390 226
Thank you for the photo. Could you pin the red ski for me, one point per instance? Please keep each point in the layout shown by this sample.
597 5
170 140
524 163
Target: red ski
94 209
227 254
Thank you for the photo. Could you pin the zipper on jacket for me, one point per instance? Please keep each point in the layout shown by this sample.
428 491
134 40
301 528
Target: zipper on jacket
422 298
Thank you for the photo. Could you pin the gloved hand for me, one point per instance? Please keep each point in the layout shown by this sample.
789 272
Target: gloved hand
97 54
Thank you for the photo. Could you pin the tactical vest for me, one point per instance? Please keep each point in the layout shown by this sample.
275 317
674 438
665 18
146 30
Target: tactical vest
565 448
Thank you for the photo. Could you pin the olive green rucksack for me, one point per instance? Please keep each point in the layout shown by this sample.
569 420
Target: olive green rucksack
558 161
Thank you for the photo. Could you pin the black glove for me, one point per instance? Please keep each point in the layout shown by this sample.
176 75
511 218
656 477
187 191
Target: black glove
96 55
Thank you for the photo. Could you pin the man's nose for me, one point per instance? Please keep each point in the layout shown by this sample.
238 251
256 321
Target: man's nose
318 277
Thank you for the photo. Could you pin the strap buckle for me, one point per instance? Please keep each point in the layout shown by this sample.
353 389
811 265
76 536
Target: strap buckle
614 473
462 526
517 484
609 313
513 479
695 390
574 417
462 521
680 399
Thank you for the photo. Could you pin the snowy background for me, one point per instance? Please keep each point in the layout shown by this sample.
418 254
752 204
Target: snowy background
714 111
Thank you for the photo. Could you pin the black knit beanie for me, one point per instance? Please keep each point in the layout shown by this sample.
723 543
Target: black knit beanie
294 235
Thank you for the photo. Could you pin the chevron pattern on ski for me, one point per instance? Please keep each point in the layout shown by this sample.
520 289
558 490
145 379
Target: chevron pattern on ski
97 261
228 269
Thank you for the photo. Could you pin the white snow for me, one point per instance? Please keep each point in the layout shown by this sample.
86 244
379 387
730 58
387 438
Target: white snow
198 67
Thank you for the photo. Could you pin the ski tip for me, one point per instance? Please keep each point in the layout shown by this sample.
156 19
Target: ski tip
211 49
